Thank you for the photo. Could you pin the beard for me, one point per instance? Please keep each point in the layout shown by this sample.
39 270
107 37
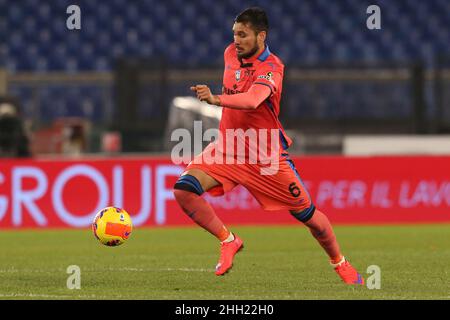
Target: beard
250 53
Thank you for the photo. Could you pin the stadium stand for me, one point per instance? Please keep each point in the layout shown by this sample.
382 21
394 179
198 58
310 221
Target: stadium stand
194 33
322 31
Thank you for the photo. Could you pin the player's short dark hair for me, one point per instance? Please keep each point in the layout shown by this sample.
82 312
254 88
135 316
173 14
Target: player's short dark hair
256 17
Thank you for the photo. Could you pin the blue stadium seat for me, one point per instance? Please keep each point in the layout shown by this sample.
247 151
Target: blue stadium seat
302 32
326 24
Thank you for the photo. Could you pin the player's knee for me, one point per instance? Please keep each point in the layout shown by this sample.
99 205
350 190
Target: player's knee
187 183
305 214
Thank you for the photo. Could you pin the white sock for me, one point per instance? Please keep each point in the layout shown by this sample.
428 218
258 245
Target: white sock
230 238
334 265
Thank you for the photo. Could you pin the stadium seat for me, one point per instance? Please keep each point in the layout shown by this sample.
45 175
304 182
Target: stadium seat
302 33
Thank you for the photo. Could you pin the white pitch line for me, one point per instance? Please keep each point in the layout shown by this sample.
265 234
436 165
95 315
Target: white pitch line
160 269
37 295
9 271
108 269
30 295
188 270
31 271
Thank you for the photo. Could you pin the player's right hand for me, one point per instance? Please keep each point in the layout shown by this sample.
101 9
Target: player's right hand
204 94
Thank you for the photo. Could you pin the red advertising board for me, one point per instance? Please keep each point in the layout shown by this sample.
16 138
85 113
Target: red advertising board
350 190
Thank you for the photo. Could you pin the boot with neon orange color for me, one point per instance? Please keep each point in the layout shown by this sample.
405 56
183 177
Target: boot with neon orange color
227 252
347 273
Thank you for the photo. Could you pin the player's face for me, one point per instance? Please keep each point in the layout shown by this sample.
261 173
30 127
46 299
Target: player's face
245 40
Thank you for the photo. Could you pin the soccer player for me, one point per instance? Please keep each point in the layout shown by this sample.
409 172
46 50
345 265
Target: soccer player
252 86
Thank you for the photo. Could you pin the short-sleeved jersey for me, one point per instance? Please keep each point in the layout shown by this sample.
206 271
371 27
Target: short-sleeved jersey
265 70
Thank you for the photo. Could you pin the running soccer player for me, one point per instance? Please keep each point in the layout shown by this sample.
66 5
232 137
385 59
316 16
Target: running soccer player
252 86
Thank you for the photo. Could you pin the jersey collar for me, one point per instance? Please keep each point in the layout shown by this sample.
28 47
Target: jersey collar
262 57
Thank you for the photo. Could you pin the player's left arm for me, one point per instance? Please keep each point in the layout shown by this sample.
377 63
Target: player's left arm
247 100
266 81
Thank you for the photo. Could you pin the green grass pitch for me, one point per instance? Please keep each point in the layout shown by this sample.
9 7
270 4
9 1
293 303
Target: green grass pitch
278 262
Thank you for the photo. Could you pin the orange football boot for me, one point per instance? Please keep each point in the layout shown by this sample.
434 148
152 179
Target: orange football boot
227 252
347 273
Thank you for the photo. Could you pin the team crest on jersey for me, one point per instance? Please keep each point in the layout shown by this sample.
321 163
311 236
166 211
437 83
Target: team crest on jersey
237 75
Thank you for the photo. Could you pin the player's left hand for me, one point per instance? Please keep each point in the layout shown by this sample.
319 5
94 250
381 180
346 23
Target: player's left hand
204 94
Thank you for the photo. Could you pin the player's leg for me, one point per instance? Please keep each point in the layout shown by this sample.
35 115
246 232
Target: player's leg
295 195
285 190
188 190
321 229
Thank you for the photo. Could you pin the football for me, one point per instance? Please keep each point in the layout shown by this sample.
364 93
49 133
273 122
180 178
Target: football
112 226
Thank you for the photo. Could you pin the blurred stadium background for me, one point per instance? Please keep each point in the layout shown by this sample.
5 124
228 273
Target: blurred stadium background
91 112
121 71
